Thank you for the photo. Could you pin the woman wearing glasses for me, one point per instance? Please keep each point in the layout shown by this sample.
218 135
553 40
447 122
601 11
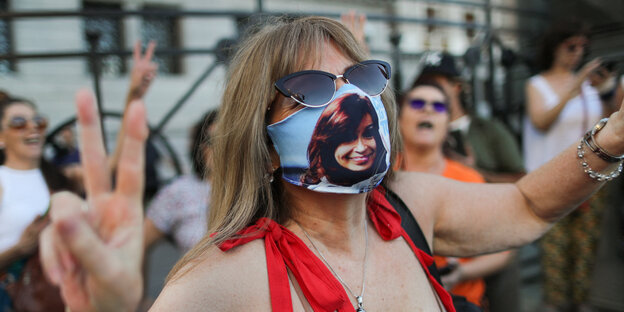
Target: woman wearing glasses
26 182
280 246
561 105
424 121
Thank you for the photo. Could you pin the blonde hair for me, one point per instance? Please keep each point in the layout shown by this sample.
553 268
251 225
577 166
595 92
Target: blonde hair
241 191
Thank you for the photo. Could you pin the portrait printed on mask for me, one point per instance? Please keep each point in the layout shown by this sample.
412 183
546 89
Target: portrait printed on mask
345 147
340 148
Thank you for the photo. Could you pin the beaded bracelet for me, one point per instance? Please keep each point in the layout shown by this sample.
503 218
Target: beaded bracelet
593 174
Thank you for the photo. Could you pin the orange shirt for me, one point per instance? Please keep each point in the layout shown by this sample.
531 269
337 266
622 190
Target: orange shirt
474 289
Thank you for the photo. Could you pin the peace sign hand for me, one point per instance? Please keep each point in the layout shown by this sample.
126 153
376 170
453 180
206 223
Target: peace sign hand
143 70
93 250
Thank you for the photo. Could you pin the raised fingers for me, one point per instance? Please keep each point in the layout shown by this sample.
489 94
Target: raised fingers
149 51
136 52
130 171
93 156
591 66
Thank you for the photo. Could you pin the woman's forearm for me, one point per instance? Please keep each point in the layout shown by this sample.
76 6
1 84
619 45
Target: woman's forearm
560 185
483 266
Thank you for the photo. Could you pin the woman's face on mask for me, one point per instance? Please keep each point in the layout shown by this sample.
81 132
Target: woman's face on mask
358 154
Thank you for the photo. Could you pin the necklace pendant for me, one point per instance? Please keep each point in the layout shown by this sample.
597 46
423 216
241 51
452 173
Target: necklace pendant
359 303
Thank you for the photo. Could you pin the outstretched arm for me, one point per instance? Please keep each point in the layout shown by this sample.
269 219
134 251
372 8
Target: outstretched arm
463 219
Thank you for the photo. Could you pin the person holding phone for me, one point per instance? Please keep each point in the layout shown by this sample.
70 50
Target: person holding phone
561 105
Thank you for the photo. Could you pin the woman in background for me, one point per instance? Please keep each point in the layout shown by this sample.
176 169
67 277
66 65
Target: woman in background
423 120
26 182
561 106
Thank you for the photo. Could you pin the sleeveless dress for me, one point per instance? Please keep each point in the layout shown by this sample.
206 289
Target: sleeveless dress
284 250
578 116
25 195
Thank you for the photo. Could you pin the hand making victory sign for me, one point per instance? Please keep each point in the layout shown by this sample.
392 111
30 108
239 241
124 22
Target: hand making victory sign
93 250
143 70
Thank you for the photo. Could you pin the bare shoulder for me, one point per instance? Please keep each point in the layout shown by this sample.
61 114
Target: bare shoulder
416 188
220 281
420 193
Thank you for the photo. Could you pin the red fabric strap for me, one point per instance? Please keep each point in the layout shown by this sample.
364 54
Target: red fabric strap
388 224
321 289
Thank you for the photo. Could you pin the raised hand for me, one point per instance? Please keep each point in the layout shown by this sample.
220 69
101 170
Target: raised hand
93 250
29 240
355 23
584 74
143 70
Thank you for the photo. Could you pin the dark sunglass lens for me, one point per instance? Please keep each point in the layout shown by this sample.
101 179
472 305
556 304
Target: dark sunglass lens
417 103
439 107
311 89
372 78
18 123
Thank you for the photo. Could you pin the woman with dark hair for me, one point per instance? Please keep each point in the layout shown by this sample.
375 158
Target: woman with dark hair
26 182
346 138
561 105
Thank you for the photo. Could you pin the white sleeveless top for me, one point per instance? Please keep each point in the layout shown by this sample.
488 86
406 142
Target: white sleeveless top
24 196
578 116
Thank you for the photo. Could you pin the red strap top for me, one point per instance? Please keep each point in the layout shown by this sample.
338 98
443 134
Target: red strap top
320 287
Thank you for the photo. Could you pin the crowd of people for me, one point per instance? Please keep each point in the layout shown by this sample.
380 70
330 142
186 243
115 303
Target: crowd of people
301 181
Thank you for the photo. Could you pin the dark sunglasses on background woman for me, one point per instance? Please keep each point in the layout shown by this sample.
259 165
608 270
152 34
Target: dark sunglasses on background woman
315 88
439 107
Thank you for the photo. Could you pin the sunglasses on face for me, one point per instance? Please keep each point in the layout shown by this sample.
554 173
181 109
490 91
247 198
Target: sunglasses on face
419 104
315 88
20 123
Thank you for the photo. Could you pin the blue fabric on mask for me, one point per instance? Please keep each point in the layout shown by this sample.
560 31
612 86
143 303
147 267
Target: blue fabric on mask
358 170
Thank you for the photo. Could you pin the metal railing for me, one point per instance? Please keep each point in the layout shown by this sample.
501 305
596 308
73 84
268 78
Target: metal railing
93 55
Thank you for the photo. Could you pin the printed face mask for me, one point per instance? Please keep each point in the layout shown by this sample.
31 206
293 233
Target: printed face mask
343 147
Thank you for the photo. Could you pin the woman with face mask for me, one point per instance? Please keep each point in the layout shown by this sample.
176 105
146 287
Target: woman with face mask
277 245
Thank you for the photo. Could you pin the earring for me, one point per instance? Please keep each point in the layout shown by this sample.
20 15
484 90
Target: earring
269 175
